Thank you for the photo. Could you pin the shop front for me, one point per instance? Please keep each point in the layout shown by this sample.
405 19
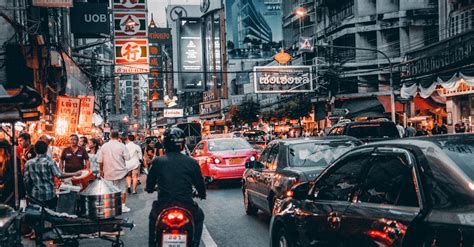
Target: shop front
442 75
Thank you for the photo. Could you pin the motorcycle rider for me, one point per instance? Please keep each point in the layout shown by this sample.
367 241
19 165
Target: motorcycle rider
175 174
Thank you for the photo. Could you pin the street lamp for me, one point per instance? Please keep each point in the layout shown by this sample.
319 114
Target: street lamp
300 12
392 94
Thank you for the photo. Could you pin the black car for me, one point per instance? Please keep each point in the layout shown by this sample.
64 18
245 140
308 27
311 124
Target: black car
286 162
407 192
366 131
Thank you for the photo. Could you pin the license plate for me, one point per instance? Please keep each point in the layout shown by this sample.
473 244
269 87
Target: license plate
174 240
235 161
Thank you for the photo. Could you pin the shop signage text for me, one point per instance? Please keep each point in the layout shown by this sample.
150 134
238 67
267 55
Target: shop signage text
283 79
173 113
131 56
90 20
85 114
129 4
159 35
67 115
212 107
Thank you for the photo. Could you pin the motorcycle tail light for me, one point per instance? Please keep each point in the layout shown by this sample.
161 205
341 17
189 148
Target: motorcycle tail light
289 193
175 218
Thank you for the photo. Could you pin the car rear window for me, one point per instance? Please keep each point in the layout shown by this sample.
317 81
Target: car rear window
228 144
317 154
373 130
462 153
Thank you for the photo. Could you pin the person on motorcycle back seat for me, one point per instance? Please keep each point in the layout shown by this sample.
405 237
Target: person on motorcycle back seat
175 174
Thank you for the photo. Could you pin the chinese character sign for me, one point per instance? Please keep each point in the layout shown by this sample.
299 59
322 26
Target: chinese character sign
85 115
67 115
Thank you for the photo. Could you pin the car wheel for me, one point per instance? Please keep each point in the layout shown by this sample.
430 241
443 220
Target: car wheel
282 239
250 209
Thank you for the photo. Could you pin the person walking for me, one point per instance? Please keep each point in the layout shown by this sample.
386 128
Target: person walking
83 141
159 150
93 146
410 130
74 157
133 164
111 157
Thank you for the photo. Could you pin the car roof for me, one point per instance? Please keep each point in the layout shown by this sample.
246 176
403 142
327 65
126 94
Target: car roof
425 140
313 139
363 122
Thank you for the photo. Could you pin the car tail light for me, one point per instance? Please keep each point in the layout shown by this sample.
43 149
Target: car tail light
379 235
175 218
214 160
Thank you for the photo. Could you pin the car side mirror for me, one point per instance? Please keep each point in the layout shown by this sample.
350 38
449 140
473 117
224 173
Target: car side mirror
197 152
300 191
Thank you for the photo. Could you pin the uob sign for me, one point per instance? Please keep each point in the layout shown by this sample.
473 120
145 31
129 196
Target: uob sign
89 20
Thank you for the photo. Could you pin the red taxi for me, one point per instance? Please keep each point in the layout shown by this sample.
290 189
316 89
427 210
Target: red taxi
223 158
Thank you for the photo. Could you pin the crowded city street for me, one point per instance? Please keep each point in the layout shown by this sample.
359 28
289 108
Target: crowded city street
205 123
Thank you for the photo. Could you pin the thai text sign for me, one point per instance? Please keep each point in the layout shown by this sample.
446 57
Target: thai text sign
85 114
67 115
283 79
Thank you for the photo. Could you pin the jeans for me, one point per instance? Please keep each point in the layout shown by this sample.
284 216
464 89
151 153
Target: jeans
156 209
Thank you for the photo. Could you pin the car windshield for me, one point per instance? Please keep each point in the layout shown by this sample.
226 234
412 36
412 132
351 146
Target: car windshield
373 130
317 153
228 144
462 153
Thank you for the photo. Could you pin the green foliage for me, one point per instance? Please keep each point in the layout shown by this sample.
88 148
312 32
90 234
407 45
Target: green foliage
246 113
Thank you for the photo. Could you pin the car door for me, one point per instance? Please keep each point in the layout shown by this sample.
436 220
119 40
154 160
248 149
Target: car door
387 201
320 217
253 181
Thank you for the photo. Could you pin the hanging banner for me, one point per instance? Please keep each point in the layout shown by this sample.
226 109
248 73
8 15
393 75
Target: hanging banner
130 24
129 5
85 114
173 113
191 57
67 115
53 3
158 35
131 56
283 79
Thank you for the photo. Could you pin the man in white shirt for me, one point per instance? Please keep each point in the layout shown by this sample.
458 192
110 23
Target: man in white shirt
133 164
111 158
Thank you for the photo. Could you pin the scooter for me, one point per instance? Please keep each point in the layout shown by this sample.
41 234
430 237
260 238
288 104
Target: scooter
175 227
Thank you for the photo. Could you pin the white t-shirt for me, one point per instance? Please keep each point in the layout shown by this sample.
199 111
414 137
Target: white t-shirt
113 154
135 156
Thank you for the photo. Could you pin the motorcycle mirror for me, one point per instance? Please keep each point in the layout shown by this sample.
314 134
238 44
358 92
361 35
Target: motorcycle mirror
300 191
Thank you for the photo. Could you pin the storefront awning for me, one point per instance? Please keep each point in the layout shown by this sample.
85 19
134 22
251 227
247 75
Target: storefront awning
364 107
424 104
385 101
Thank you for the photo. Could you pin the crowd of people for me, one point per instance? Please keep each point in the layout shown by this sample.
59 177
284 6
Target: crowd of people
120 160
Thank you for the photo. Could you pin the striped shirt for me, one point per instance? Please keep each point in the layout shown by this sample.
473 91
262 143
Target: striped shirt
39 177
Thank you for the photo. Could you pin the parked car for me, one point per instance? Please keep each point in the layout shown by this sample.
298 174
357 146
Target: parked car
407 192
223 158
366 131
284 163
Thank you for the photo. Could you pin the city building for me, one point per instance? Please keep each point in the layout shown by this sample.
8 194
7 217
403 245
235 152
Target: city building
444 71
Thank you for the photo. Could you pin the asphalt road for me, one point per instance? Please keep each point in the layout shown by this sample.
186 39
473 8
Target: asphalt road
225 220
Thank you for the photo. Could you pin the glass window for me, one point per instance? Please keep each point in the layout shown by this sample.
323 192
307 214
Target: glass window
264 155
320 154
376 130
389 181
272 156
228 145
339 183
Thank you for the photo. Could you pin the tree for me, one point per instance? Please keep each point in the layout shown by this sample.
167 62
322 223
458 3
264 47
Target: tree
298 108
246 113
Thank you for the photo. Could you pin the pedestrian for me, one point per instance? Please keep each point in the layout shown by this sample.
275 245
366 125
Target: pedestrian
7 182
39 182
48 141
74 157
410 131
83 141
27 150
147 159
401 130
436 130
93 146
421 131
158 147
112 156
459 128
133 164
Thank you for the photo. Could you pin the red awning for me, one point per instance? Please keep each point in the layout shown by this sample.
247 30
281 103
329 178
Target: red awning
385 101
424 104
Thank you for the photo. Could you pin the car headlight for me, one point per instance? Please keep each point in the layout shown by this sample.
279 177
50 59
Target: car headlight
252 158
217 161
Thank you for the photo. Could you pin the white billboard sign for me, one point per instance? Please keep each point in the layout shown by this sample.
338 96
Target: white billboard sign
173 113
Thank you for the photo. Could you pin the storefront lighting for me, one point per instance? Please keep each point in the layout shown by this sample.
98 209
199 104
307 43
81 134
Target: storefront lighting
61 126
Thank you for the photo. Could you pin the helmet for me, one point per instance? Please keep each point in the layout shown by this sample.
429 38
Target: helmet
173 140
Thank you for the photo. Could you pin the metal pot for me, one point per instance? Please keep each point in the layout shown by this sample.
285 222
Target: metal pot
100 200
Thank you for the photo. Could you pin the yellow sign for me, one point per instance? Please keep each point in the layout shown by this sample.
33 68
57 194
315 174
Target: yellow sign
85 115
67 115
282 57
